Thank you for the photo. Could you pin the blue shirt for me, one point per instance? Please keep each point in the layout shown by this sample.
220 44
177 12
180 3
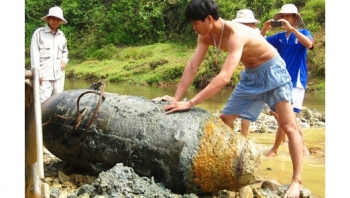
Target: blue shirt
294 54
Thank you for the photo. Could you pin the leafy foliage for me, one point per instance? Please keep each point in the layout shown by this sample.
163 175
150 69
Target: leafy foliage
100 29
314 13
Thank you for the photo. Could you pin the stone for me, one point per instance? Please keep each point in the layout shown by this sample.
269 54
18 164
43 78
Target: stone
270 184
246 192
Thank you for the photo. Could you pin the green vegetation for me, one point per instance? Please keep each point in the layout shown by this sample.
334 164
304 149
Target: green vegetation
149 42
150 64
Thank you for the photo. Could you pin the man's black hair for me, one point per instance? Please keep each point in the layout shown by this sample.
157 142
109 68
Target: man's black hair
200 9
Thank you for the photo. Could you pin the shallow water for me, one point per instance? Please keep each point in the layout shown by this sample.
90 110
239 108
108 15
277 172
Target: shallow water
217 102
279 167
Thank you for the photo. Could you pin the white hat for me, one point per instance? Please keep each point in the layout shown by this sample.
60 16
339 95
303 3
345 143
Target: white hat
289 9
245 16
55 12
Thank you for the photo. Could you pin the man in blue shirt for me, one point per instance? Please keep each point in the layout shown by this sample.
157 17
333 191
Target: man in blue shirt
293 45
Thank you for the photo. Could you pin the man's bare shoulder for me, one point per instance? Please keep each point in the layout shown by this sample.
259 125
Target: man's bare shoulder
241 29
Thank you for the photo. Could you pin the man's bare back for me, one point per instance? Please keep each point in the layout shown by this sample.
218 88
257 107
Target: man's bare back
256 50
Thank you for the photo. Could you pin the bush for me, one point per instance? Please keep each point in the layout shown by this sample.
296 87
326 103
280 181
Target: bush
106 52
153 79
314 12
173 73
27 64
115 78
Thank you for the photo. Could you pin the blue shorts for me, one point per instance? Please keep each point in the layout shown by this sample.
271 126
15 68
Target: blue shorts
268 83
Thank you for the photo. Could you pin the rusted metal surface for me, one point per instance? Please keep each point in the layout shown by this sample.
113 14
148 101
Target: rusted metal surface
189 152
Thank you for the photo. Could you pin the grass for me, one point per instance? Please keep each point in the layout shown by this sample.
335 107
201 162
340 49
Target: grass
162 64
147 65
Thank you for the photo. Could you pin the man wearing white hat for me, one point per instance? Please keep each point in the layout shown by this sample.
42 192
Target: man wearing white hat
293 45
246 17
49 53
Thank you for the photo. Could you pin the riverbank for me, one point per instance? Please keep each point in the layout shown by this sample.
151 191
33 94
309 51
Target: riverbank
160 64
121 181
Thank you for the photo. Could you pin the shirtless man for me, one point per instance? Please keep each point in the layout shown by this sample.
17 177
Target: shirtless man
264 80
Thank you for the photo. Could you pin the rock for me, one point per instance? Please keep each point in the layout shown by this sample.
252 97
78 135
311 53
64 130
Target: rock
63 177
121 181
224 194
72 195
84 196
54 193
305 193
323 118
130 177
271 185
264 129
303 119
246 192
63 194
316 114
266 123
80 180
318 152
304 125
85 189
308 114
320 124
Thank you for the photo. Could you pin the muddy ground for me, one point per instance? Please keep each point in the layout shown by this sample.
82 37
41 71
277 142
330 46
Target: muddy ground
122 181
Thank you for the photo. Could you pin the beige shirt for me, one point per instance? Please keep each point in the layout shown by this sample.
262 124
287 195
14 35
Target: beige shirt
47 50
